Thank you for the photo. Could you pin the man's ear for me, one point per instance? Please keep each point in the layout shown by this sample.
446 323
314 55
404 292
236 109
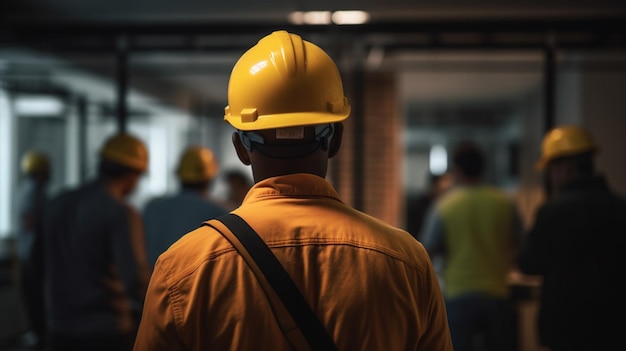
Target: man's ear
242 153
335 141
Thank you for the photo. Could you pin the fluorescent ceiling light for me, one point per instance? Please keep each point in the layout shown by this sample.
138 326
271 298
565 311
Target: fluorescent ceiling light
296 17
33 106
310 17
327 17
350 17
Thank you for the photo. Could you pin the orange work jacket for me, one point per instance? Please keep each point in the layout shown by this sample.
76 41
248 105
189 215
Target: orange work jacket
372 285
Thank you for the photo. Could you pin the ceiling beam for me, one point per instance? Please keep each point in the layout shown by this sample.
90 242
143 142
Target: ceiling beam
598 32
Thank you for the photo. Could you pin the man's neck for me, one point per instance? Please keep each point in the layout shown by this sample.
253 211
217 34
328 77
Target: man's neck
115 187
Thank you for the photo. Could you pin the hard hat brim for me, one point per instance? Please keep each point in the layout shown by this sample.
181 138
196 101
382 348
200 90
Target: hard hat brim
541 164
284 120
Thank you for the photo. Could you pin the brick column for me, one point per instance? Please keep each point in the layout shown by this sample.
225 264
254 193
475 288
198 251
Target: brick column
377 166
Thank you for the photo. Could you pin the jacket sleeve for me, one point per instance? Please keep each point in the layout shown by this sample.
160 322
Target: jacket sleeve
437 333
157 330
128 248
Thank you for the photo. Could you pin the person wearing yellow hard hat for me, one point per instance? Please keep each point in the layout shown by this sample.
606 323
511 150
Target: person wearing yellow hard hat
169 217
370 286
560 143
96 271
31 198
576 244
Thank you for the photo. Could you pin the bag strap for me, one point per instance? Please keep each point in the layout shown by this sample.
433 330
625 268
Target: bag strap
300 320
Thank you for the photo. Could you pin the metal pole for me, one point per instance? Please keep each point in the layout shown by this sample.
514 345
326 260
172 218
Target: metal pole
549 83
81 106
549 93
122 83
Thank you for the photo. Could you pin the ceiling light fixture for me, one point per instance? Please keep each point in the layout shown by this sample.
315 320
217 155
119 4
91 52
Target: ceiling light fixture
350 17
310 17
328 17
38 106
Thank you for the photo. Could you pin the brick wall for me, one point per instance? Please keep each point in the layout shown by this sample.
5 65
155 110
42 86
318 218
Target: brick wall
367 171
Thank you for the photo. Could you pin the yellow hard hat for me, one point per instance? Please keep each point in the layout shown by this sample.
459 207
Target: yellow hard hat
126 150
197 165
284 81
35 162
562 141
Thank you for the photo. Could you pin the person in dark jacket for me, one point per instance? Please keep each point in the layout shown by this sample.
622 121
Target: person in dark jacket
167 218
237 184
31 198
418 206
576 244
96 271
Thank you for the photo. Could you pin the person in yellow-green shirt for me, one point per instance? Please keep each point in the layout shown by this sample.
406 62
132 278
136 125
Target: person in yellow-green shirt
371 285
474 231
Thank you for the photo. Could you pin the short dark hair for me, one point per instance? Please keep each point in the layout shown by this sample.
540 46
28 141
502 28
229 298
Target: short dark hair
112 170
582 161
469 158
201 185
237 175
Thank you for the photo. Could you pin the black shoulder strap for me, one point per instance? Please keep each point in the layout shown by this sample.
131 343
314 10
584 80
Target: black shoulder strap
306 320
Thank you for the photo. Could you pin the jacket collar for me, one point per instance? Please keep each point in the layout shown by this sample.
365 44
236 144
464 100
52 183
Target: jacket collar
292 185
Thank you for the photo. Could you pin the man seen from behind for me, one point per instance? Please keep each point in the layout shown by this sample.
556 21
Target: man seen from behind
96 270
371 285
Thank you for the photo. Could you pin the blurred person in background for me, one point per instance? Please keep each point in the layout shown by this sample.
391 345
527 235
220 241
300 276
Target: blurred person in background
31 198
168 218
371 285
96 271
237 185
418 206
475 229
576 245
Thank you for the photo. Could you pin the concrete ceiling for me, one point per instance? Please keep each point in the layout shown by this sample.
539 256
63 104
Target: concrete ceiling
277 10
192 45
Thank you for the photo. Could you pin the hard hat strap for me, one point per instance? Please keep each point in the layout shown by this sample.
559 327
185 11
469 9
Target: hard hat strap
247 138
253 141
282 153
323 135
